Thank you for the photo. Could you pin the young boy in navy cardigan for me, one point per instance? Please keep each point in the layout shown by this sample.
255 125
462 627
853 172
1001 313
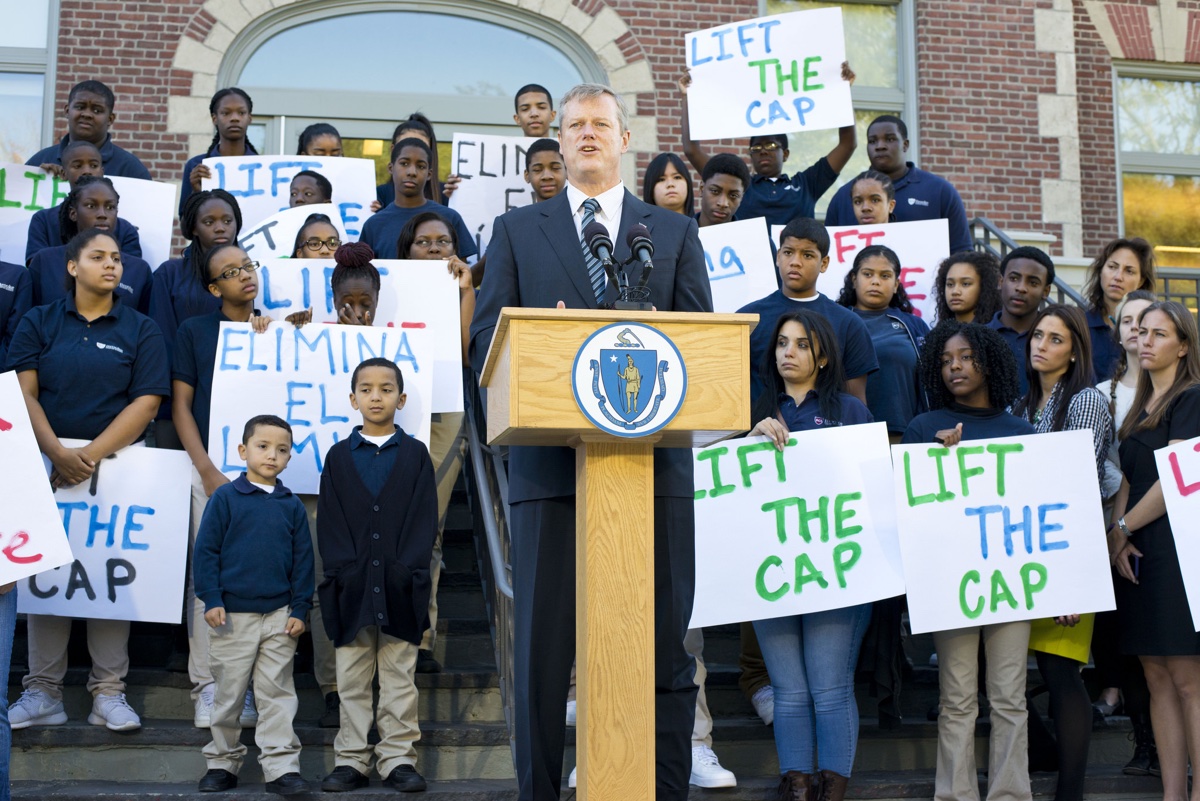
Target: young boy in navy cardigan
253 568
378 513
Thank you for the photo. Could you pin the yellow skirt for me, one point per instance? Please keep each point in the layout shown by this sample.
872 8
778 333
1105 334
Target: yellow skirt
1072 642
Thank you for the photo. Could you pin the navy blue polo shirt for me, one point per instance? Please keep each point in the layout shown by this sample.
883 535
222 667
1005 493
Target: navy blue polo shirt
373 462
16 298
1016 343
784 199
894 392
1106 351
195 357
116 160
977 424
45 232
185 186
383 228
176 295
88 372
807 416
858 354
920 195
48 269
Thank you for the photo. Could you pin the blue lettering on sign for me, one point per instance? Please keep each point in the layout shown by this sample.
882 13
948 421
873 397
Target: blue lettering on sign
730 264
313 345
268 302
250 365
228 347
327 418
96 525
292 403
226 467
349 219
776 111
278 180
746 36
131 525
249 191
404 352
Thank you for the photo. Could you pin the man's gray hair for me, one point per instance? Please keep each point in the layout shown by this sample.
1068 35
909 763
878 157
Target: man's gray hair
588 91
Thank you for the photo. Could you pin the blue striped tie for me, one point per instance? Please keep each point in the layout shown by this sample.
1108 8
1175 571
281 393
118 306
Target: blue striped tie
595 268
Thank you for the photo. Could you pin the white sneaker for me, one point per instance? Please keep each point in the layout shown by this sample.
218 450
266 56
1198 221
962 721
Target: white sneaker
707 771
249 716
571 779
571 707
933 660
35 708
202 719
114 712
764 704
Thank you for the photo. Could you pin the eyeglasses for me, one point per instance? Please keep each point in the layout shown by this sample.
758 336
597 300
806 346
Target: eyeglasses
425 244
331 243
765 147
234 272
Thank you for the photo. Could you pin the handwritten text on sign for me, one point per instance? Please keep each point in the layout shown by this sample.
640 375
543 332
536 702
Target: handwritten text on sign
303 375
1000 530
770 75
274 237
740 266
1179 468
128 527
31 532
805 530
492 169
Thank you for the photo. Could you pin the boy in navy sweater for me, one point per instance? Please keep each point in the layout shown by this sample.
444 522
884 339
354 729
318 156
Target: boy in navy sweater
378 513
253 568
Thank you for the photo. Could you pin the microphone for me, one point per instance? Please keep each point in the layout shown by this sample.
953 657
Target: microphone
638 240
601 246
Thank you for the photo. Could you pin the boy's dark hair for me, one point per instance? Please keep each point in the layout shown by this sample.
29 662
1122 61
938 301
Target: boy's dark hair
210 255
264 420
212 109
782 139
75 249
310 220
410 141
532 87
541 146
187 226
849 295
987 269
408 234
323 184
807 228
419 122
892 118
1033 254
68 227
78 144
831 381
378 361
993 358
353 260
656 170
96 88
726 164
312 132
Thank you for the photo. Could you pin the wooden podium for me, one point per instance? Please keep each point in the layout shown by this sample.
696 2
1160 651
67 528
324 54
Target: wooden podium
530 401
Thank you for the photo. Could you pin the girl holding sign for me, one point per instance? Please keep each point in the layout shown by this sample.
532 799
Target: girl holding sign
232 111
96 370
970 377
1151 603
810 657
967 288
1061 397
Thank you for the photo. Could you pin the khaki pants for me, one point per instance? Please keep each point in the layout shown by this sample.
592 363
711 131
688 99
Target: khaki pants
442 434
254 646
702 728
396 662
198 668
324 667
108 645
1006 646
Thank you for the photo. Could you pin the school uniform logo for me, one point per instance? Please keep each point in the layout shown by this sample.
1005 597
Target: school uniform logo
103 346
8 287
622 385
912 201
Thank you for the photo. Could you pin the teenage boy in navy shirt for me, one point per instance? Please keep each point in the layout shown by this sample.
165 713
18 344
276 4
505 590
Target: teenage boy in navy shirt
534 110
920 195
802 256
723 185
16 298
253 568
545 171
1026 275
378 513
90 113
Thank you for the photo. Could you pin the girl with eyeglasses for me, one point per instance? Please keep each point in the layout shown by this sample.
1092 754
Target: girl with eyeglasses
317 238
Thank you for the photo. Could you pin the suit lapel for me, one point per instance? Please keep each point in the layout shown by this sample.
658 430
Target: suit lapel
558 225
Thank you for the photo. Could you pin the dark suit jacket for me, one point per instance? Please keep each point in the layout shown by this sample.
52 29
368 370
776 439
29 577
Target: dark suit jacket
534 260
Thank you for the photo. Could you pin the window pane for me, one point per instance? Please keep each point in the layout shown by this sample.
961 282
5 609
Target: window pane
21 110
806 148
1165 210
379 150
1159 116
257 134
871 39
25 23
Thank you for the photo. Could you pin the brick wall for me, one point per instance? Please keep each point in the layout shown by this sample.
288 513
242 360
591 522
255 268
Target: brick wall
1098 146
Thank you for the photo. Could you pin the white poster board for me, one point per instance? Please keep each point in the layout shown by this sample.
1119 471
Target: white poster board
1000 530
741 268
492 169
806 530
23 192
149 205
771 75
262 185
413 295
274 237
31 531
128 527
303 375
1179 469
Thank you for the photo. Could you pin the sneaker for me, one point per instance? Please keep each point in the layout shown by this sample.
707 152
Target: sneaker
572 708
202 718
289 784
707 770
35 708
571 779
114 712
249 716
217 781
764 704
405 779
343 779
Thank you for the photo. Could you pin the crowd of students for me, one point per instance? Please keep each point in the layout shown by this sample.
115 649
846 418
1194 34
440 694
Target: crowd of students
103 346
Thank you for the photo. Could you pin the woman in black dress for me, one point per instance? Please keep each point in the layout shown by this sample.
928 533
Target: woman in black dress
1152 604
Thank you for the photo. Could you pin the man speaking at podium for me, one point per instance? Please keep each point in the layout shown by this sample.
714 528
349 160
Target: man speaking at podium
536 258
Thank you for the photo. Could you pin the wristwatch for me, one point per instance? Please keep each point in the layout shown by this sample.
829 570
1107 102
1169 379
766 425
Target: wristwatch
1124 528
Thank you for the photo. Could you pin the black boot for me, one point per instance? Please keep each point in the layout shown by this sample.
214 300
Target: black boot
1145 755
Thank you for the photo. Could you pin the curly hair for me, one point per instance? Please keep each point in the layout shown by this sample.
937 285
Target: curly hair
849 295
987 268
993 359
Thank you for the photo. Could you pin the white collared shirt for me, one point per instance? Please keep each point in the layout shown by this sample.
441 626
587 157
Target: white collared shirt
611 203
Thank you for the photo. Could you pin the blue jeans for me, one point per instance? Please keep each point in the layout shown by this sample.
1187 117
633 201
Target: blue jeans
8 623
811 661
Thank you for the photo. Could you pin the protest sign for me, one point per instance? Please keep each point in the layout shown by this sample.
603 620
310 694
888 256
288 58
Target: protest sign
921 246
24 191
303 375
262 185
806 530
771 75
413 294
274 237
31 531
1000 530
1179 469
149 205
492 169
740 266
128 527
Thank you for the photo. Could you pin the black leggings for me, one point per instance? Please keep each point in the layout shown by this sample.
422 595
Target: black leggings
1071 709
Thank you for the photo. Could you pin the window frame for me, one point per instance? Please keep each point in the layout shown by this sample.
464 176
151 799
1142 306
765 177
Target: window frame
39 61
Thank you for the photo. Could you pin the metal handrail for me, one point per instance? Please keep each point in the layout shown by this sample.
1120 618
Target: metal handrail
983 231
500 566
